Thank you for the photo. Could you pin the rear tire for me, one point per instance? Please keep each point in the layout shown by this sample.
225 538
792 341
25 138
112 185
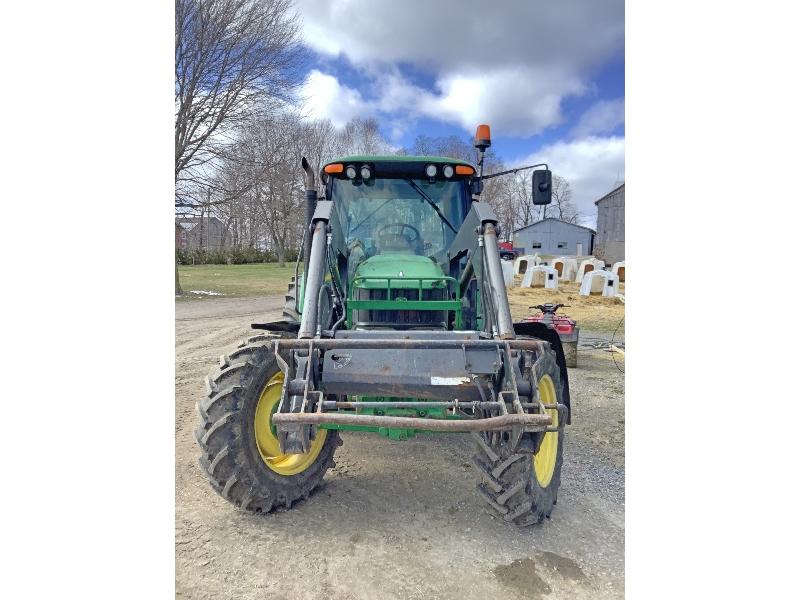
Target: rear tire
231 457
508 479
290 314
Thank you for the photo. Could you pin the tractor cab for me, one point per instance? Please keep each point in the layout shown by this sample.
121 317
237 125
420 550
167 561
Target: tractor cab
396 218
387 205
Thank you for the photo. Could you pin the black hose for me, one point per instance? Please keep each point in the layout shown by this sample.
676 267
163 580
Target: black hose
337 325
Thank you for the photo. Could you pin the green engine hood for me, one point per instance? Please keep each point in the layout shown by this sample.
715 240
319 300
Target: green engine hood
405 270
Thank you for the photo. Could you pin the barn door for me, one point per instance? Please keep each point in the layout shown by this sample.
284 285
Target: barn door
580 249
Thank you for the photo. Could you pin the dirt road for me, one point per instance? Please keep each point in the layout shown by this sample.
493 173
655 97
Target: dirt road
403 519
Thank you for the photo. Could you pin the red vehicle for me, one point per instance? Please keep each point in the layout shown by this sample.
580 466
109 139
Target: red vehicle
507 251
567 329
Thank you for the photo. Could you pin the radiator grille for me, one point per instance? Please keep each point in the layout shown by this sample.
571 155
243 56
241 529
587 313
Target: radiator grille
401 319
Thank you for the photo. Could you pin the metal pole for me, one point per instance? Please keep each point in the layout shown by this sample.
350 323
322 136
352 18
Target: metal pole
311 205
314 275
505 325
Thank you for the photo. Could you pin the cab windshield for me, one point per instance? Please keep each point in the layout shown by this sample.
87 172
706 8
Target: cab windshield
403 215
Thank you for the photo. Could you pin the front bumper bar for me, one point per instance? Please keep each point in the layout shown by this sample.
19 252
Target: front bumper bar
366 363
538 421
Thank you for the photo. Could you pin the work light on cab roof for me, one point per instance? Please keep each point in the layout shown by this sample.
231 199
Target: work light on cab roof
396 322
368 167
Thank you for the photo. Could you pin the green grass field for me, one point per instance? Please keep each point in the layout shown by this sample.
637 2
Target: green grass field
235 280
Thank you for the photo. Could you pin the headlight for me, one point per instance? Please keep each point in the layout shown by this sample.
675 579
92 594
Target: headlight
350 171
430 171
366 172
448 171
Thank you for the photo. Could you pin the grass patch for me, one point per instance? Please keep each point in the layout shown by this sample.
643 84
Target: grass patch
591 312
260 279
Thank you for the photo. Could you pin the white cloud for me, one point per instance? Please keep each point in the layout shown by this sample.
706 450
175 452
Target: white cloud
441 35
592 166
602 117
464 100
511 67
518 101
326 98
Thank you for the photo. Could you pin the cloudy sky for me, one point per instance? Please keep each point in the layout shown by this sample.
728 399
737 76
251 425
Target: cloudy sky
547 76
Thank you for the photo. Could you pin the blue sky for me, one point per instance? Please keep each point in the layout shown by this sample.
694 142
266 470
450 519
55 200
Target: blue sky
547 76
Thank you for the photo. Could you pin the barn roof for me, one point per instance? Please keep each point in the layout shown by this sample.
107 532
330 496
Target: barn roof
554 219
188 223
609 194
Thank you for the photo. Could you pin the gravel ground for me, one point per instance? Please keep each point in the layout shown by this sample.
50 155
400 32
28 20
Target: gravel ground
398 519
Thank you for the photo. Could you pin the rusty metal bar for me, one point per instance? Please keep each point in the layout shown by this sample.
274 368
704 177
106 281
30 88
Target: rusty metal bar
339 405
334 405
447 425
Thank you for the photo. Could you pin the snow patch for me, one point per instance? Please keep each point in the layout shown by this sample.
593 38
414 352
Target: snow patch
206 293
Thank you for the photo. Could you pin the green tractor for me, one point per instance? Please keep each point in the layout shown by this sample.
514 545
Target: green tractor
398 324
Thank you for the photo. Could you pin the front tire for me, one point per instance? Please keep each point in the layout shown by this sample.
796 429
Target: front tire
240 453
522 488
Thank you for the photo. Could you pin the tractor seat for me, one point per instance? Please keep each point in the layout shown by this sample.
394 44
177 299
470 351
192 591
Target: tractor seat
397 242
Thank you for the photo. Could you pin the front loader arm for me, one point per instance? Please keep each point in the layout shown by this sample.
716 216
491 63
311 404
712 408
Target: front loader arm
477 241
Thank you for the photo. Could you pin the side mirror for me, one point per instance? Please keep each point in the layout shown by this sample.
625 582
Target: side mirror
542 186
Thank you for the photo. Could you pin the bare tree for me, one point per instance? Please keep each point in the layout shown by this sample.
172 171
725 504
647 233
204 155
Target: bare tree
562 207
363 136
451 146
278 192
232 57
502 194
320 143
517 199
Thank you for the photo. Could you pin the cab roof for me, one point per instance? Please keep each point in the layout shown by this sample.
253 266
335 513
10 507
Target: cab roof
442 160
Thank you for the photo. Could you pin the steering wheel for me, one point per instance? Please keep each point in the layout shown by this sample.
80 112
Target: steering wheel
411 241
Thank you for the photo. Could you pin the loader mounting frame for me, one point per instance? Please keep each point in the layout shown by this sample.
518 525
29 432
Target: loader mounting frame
312 400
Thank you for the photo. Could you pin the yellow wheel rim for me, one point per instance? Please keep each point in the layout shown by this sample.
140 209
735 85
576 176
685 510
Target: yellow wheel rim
268 446
544 461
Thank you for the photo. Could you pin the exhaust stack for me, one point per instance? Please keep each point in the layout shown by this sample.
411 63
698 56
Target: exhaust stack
311 205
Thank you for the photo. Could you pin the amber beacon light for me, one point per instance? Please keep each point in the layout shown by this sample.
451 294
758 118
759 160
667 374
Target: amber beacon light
483 138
